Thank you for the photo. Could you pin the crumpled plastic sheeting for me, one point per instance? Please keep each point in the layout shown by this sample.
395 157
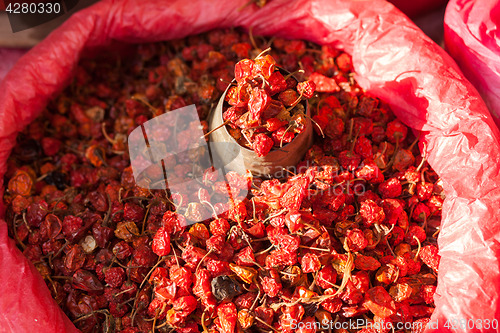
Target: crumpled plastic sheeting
472 37
394 60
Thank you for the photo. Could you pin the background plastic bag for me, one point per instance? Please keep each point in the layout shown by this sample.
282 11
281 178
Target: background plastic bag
394 60
9 57
472 38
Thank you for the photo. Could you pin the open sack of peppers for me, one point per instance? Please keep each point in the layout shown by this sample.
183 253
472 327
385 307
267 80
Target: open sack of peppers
403 162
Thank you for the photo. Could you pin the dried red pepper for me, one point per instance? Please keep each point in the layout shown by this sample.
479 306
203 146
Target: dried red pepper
359 211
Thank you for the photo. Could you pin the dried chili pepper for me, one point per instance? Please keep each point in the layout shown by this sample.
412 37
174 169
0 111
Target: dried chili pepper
348 234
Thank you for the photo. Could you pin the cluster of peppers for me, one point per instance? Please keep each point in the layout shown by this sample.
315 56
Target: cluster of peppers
349 234
264 107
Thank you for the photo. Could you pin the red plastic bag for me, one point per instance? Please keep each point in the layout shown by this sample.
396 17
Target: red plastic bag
394 60
472 38
9 57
